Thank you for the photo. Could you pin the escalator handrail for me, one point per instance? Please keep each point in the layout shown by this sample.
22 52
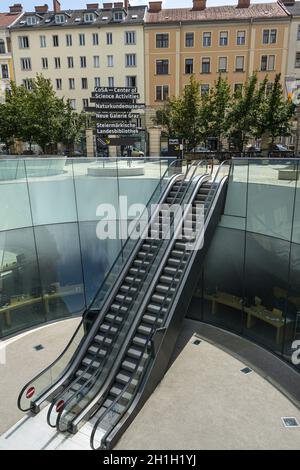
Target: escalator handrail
44 371
198 164
146 347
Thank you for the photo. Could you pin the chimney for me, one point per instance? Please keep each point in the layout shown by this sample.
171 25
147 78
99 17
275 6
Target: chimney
199 4
16 8
243 4
154 7
118 5
126 4
56 6
41 9
107 6
92 6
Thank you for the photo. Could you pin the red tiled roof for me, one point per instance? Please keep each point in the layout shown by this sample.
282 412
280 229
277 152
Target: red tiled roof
230 12
6 19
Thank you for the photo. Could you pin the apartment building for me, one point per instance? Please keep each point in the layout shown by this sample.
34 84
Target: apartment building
6 64
81 49
234 40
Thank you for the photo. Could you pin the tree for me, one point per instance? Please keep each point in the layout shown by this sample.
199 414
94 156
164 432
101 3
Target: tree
214 109
278 111
71 127
246 112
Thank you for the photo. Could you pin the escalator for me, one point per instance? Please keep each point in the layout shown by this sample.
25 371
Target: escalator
153 335
74 379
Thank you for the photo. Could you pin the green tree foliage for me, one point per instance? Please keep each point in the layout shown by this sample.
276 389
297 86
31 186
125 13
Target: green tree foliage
39 116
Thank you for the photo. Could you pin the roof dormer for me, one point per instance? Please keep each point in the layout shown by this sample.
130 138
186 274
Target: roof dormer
89 17
32 20
60 18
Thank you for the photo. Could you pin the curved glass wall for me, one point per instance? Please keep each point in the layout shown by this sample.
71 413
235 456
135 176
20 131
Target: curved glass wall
250 281
51 260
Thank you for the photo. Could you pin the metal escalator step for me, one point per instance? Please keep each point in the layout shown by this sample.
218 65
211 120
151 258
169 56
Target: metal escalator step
177 253
116 308
115 391
180 246
130 364
151 319
113 318
123 298
149 246
127 288
164 288
96 351
116 406
153 308
75 386
139 262
123 377
161 299
135 271
100 339
174 262
130 279
87 361
134 351
139 341
83 375
168 279
144 255
108 327
171 270
144 329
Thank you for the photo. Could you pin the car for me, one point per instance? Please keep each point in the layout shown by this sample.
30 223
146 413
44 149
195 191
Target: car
200 149
135 152
253 148
278 148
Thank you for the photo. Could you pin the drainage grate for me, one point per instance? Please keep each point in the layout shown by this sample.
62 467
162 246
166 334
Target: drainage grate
197 342
290 422
38 347
246 370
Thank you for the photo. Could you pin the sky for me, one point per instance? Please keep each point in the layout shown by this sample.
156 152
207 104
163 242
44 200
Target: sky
72 4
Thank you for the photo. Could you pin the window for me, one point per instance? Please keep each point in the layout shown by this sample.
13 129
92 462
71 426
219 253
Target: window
95 39
223 40
31 20
130 81
297 61
97 81
109 38
58 83
267 63
70 62
118 15
204 89
96 61
2 47
162 92
26 63
60 19
27 82
130 60
269 36
189 66
55 41
162 67
89 17
130 37
85 102
271 62
206 39
222 67
43 41
237 87
84 83
111 81
81 39
205 65
83 62
239 63
189 39
4 71
69 40
72 83
44 62
73 104
162 40
23 42
57 62
241 38
110 61
298 33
